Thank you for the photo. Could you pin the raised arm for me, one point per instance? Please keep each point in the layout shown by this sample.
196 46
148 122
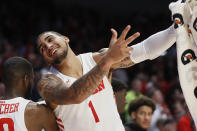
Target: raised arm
38 117
52 89
150 48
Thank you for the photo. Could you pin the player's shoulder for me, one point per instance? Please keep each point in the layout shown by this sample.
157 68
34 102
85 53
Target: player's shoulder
90 56
36 108
38 116
34 111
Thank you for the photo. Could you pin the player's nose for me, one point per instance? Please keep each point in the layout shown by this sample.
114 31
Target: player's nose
49 45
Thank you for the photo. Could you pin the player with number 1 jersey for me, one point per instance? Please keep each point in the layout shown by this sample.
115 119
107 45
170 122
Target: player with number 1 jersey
83 100
97 113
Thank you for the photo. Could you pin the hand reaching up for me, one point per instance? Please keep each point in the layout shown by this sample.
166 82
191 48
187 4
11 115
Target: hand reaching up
118 47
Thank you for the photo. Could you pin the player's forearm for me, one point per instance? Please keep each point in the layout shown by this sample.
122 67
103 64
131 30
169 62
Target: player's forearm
87 84
150 48
153 46
124 63
81 89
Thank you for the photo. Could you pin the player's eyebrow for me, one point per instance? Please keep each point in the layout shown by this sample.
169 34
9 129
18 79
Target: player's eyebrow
45 40
47 37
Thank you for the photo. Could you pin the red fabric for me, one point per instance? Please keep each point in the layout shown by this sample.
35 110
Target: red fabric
165 86
144 84
184 124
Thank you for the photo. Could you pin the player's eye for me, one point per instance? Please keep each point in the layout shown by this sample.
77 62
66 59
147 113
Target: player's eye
50 39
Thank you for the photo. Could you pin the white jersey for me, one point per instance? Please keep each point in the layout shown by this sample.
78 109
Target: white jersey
97 113
12 114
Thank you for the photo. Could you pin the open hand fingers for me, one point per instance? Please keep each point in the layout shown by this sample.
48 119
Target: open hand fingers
129 49
48 75
114 36
124 33
49 79
131 38
43 82
51 76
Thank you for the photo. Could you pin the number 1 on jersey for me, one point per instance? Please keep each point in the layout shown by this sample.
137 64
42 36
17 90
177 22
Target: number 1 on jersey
93 112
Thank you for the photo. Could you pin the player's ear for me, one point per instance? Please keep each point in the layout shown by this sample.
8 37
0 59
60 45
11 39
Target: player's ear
26 80
66 39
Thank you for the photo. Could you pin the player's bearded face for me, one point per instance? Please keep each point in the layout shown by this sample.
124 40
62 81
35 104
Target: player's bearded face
54 48
62 55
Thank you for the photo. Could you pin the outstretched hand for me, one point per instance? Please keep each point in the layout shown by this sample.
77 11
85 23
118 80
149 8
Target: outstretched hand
118 47
49 81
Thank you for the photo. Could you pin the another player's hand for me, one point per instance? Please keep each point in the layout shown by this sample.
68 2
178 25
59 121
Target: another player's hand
118 47
49 81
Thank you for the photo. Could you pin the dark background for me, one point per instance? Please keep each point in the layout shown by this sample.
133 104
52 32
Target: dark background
87 23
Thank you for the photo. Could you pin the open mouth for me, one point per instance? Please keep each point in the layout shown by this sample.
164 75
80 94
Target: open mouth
52 51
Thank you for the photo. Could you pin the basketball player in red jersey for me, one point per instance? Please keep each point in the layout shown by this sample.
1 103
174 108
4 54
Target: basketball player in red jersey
17 113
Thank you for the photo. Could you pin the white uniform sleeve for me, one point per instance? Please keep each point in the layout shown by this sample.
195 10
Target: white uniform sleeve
153 46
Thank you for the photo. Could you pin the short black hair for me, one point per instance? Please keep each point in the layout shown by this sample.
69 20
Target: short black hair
118 85
141 101
53 32
15 68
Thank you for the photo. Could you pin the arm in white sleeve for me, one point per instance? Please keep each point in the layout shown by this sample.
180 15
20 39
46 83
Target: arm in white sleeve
153 46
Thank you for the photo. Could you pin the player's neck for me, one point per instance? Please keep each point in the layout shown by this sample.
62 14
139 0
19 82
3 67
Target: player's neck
10 94
71 66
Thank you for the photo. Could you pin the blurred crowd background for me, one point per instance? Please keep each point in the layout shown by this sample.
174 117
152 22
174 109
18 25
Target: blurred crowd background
88 24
